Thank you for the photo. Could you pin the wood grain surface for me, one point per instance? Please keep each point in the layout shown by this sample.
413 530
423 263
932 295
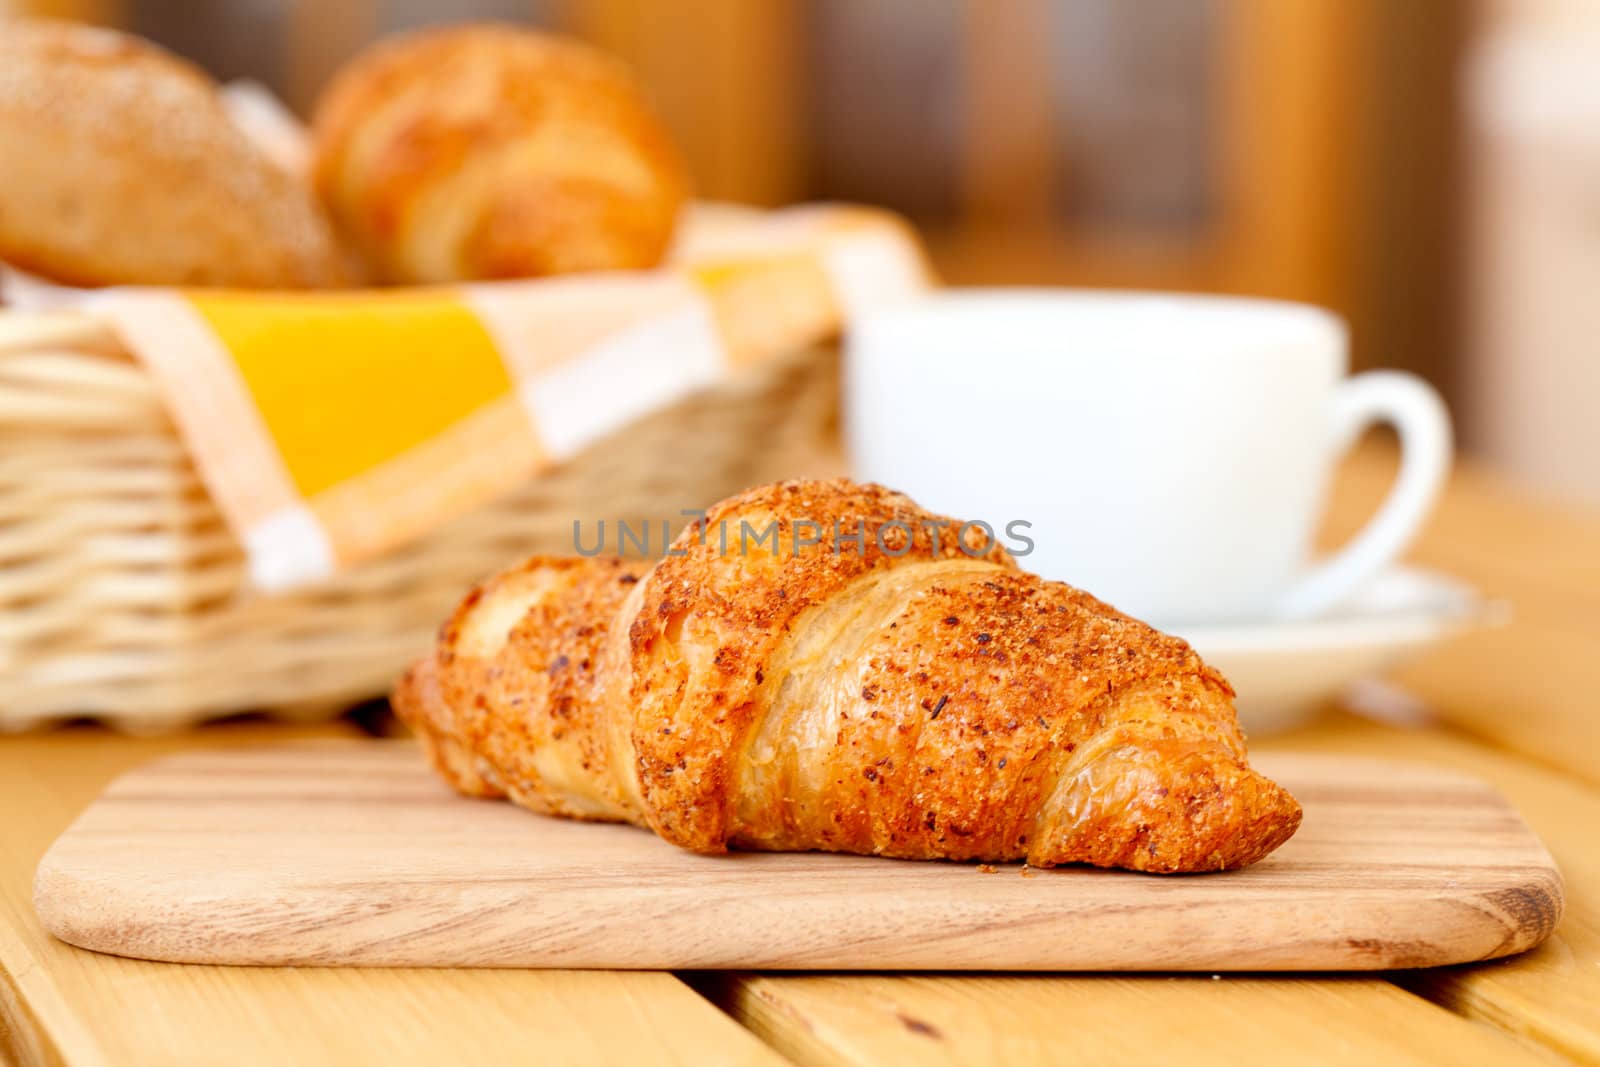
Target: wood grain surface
354 854
61 1005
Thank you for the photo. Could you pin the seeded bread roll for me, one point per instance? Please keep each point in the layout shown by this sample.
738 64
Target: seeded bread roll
121 166
487 151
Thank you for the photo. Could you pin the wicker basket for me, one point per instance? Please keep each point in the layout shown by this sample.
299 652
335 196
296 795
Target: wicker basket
123 595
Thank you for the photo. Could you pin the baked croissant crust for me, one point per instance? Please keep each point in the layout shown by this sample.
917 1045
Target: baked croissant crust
487 151
898 688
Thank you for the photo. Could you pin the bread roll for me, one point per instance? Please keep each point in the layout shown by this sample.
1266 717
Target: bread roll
487 151
119 165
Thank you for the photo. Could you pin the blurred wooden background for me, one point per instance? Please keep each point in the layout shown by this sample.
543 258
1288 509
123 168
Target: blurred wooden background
1296 148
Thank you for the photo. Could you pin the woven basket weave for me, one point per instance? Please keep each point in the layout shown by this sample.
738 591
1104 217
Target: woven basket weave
123 595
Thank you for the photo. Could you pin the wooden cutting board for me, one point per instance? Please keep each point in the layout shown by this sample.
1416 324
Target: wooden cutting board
354 853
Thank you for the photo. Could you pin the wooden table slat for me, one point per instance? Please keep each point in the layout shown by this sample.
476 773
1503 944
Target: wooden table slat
854 1021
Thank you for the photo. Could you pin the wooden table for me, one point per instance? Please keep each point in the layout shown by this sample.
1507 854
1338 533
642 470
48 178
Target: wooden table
1518 705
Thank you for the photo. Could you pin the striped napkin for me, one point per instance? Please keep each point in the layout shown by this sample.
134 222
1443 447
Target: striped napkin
332 427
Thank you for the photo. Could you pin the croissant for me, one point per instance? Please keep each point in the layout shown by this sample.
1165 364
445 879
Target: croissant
822 665
489 151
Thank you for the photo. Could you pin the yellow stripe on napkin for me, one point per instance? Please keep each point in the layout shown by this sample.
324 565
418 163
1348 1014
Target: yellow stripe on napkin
346 382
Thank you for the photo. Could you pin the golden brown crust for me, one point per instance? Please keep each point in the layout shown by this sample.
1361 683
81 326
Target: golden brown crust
512 682
418 701
711 621
905 695
997 716
122 167
488 151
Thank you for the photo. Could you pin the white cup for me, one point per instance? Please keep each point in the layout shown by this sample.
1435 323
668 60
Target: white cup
1170 452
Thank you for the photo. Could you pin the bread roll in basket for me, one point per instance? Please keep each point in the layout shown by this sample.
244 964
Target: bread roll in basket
488 151
120 166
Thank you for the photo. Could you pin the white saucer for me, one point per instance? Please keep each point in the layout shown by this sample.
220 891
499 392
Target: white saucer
1283 671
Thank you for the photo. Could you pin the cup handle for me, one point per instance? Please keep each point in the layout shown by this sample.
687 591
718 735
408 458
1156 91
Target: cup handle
1416 411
